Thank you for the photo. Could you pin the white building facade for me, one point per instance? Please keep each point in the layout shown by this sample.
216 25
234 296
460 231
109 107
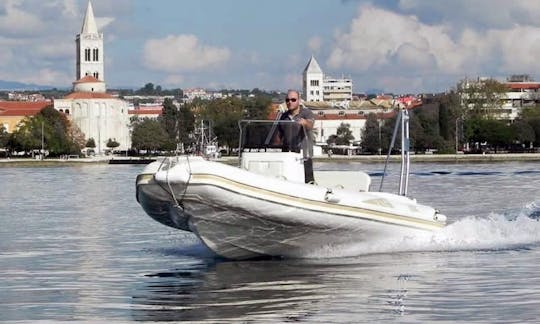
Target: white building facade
317 87
98 114
312 80
521 92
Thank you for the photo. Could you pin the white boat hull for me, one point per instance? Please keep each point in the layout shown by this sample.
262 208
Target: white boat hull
239 214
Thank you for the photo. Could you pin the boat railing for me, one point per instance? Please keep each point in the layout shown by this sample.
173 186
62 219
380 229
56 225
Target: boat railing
402 123
273 135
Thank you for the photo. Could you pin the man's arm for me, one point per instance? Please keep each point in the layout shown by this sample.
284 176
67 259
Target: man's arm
307 119
306 123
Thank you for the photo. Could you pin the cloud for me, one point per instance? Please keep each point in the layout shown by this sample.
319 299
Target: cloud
103 22
292 81
178 53
314 44
385 43
19 23
509 51
377 38
44 76
174 80
54 50
477 14
50 76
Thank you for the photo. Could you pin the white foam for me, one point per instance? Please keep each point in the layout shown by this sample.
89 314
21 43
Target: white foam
495 232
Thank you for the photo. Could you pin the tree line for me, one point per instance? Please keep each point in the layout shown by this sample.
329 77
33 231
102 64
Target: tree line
447 123
177 129
463 119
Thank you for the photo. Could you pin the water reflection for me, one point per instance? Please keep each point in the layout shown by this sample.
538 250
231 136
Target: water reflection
231 291
283 290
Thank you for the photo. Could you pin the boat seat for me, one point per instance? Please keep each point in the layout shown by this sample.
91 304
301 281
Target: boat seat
283 165
350 180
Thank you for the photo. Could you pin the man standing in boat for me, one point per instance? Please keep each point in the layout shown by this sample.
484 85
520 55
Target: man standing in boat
298 136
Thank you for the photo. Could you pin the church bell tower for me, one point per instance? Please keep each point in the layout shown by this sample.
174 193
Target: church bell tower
90 48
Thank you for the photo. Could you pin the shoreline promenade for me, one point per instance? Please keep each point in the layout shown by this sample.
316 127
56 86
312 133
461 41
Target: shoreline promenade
457 158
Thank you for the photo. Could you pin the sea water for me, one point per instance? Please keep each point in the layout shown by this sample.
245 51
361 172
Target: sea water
75 245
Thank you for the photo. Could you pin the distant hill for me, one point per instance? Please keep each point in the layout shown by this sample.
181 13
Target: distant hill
14 85
374 91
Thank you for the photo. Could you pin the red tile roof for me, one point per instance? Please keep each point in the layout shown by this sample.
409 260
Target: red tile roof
348 115
22 108
87 79
523 85
144 112
88 95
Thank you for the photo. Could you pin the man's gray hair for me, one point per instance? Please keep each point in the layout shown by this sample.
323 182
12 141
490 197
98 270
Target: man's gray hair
293 90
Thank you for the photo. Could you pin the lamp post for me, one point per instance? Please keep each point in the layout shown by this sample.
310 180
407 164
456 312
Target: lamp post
42 141
457 137
380 138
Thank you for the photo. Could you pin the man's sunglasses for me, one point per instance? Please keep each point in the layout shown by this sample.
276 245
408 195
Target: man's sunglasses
290 99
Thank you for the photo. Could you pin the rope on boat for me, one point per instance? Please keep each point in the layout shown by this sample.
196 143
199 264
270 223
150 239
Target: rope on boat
178 202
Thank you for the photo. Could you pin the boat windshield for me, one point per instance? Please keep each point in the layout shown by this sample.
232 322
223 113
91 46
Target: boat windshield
278 135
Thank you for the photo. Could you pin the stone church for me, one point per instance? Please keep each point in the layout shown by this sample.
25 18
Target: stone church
98 114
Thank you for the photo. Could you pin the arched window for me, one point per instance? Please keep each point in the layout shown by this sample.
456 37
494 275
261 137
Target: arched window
95 55
87 54
61 110
67 111
96 75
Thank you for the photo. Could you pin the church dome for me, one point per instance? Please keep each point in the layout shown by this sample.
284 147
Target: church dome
89 84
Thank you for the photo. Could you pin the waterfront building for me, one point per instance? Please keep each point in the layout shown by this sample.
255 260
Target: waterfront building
152 111
98 115
13 112
317 87
521 92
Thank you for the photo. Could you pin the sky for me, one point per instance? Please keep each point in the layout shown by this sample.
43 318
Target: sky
398 46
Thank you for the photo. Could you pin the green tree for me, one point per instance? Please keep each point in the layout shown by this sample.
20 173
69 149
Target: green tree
371 135
148 89
59 132
482 98
186 122
170 119
344 134
495 133
450 113
257 107
424 124
4 136
523 132
531 115
148 134
27 137
112 143
224 115
51 126
91 143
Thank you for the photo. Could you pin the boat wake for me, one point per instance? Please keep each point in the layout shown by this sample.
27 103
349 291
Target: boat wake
513 230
